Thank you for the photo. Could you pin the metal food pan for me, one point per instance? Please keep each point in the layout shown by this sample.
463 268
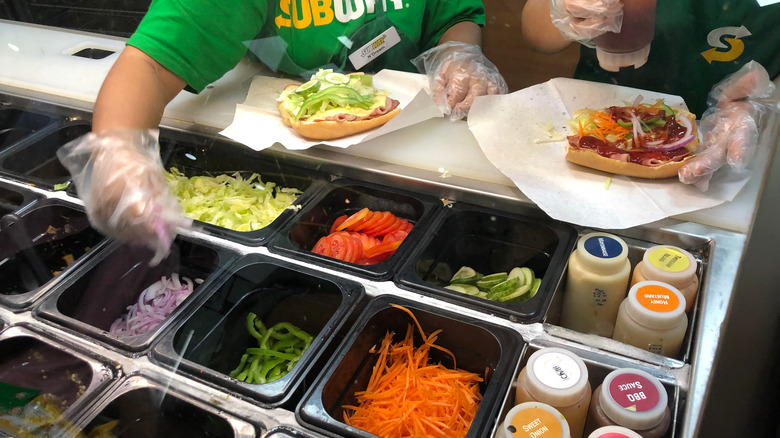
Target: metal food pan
89 301
35 161
479 346
73 379
638 240
18 123
207 156
211 342
599 364
41 244
491 241
345 197
13 199
146 407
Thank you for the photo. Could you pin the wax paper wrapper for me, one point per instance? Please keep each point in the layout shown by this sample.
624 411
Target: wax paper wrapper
257 122
523 135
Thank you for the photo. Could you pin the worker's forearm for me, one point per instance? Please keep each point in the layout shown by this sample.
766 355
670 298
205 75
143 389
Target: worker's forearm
465 32
538 31
135 93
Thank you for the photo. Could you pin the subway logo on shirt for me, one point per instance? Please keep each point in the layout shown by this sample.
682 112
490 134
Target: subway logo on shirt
322 12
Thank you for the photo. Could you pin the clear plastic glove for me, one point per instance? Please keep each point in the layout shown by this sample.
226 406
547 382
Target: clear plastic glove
730 127
458 73
583 20
119 176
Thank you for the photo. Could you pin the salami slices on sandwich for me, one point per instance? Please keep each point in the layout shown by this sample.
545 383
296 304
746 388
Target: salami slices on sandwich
643 140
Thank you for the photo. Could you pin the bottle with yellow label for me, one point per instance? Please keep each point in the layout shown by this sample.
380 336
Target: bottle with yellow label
596 283
671 265
652 317
534 420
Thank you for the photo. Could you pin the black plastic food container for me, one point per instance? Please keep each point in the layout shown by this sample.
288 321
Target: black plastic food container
13 199
478 347
146 407
71 379
490 241
599 365
210 344
91 299
16 124
202 156
346 197
39 245
35 159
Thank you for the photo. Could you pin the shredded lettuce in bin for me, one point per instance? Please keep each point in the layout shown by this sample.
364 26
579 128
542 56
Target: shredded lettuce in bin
230 201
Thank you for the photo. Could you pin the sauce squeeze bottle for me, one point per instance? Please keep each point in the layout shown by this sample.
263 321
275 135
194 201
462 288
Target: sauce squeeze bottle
630 46
671 265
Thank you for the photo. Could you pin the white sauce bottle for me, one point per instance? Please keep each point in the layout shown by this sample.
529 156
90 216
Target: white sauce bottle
558 378
652 317
596 283
671 265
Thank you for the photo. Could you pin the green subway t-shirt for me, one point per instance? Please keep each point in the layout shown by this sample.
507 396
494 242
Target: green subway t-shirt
697 43
200 40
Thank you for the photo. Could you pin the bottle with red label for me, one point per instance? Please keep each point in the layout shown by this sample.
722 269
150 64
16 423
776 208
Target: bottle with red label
534 420
614 432
671 265
652 317
633 399
559 378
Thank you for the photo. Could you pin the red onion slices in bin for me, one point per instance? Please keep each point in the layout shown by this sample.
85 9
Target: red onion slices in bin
154 304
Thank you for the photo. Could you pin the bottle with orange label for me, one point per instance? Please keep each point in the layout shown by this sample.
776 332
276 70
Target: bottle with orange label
652 317
671 265
534 420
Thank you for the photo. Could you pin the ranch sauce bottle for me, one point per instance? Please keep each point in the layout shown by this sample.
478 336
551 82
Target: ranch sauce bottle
558 378
671 265
632 399
596 283
535 420
652 317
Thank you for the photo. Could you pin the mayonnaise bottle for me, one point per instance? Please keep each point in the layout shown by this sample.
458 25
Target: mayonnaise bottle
558 378
596 283
652 317
633 399
671 265
534 420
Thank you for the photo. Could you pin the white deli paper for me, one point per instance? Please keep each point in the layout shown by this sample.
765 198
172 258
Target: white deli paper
257 122
523 135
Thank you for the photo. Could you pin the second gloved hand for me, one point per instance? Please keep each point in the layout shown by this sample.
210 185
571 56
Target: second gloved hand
583 20
458 73
119 176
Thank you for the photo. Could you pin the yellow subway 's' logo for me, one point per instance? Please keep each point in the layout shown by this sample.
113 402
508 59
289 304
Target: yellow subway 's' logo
301 14
731 35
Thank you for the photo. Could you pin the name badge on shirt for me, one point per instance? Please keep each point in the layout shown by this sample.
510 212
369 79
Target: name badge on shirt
374 48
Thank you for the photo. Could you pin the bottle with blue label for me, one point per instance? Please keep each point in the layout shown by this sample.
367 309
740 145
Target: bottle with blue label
596 282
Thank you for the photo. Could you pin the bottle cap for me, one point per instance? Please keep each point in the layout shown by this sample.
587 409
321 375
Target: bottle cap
602 252
614 432
611 61
669 264
532 419
655 304
633 398
556 376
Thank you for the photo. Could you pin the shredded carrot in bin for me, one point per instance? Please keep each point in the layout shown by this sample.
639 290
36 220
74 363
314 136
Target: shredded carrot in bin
407 396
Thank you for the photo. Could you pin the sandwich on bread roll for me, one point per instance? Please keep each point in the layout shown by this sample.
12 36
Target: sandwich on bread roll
642 140
333 105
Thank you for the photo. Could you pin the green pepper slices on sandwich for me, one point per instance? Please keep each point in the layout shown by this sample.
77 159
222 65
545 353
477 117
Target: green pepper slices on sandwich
333 105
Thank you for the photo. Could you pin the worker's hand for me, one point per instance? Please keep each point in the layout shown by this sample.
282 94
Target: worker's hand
457 73
730 127
583 20
119 176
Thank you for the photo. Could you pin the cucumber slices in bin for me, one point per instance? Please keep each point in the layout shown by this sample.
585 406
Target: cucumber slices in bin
520 284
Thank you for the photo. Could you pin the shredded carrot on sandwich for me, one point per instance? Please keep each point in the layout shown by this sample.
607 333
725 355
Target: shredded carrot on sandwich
407 396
